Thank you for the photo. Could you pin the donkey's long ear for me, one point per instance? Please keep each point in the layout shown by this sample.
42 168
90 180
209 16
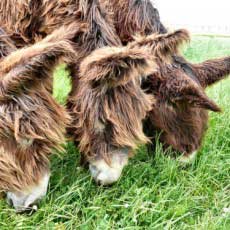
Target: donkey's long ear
180 89
197 98
25 67
116 66
212 71
59 42
163 46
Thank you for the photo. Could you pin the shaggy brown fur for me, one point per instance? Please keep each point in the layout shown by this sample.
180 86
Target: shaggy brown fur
100 33
180 109
110 102
6 44
181 113
32 124
133 17
105 23
28 21
36 20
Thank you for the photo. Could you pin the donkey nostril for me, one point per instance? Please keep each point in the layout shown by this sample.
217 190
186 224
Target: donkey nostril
30 210
100 182
94 171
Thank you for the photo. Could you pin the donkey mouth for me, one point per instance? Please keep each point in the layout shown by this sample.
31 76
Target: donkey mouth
106 173
26 201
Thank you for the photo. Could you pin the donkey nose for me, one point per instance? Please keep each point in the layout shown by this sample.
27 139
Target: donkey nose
107 174
20 203
27 200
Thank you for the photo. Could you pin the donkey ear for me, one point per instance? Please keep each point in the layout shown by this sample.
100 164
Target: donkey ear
163 46
212 71
25 67
115 66
182 89
197 98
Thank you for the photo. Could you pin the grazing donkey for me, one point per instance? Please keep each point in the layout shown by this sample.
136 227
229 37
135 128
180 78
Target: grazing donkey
180 113
32 124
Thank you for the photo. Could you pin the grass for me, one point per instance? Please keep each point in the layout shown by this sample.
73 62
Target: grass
154 192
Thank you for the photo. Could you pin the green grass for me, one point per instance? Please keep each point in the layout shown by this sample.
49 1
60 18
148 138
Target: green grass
154 192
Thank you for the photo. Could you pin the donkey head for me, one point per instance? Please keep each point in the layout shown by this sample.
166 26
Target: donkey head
180 112
32 124
111 104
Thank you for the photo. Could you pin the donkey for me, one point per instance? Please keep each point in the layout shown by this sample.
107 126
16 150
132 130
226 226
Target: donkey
181 110
32 123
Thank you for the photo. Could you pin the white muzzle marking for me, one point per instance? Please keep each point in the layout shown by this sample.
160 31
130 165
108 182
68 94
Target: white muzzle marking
26 200
105 174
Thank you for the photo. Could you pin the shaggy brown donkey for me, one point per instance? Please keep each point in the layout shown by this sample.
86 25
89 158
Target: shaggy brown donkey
32 124
111 104
180 112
